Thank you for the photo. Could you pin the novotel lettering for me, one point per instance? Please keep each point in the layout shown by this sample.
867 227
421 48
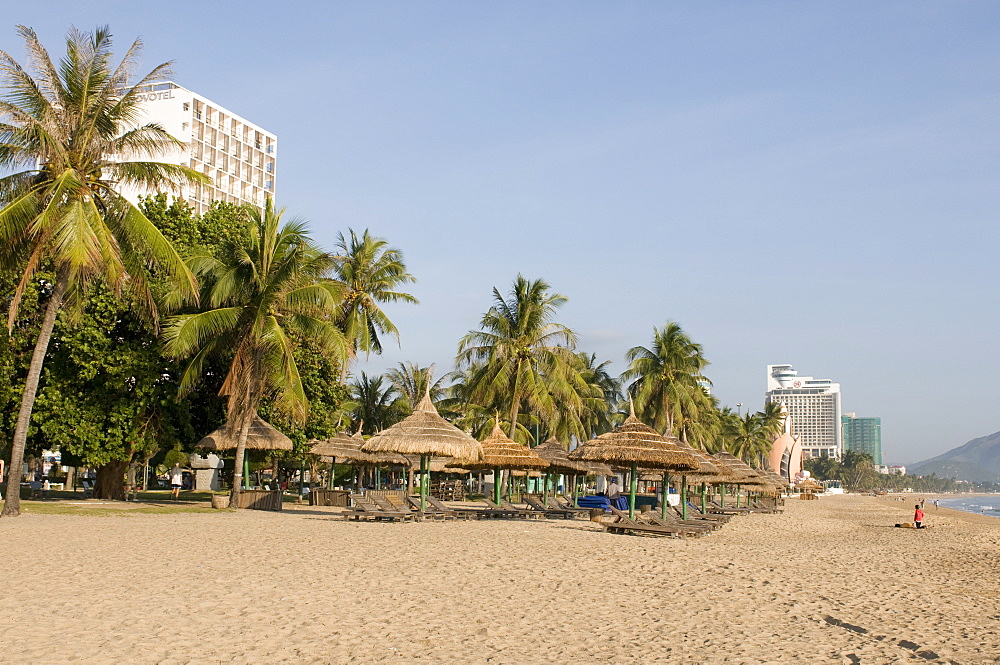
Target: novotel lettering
155 96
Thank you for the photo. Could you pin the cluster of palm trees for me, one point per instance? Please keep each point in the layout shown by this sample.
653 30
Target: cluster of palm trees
71 137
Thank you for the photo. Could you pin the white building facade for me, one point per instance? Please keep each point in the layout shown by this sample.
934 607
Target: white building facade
813 406
239 157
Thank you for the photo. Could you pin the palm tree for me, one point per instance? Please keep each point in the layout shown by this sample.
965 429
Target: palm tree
371 273
262 286
522 359
665 379
74 132
410 382
373 403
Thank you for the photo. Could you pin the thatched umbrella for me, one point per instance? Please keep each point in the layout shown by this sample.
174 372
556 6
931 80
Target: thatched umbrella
706 469
744 475
636 444
342 446
261 436
424 432
553 452
501 452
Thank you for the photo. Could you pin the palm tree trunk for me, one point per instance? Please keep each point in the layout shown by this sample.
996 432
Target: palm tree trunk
241 448
12 505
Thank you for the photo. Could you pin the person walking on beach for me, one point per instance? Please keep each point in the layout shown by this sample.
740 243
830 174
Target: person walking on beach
918 516
176 481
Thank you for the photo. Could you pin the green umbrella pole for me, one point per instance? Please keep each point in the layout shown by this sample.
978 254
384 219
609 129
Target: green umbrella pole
496 486
684 497
423 483
722 495
704 503
302 478
246 473
664 489
738 496
333 461
545 488
633 483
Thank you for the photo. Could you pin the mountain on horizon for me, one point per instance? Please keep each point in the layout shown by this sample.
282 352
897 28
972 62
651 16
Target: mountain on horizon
976 461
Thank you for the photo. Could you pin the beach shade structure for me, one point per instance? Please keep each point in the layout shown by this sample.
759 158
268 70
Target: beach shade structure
636 444
343 447
741 471
706 469
501 452
261 436
556 454
425 433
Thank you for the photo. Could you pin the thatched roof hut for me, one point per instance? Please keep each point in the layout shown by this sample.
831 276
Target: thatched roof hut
343 447
501 452
743 474
553 452
633 443
262 436
425 432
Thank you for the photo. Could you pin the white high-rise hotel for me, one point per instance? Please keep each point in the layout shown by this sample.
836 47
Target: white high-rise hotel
813 406
238 156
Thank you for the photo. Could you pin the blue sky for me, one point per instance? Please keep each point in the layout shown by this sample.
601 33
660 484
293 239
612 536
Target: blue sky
805 183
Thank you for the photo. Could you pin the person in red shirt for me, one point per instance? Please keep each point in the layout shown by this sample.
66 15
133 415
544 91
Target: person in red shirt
918 516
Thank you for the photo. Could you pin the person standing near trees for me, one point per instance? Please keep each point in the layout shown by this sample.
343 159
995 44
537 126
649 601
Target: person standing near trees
176 482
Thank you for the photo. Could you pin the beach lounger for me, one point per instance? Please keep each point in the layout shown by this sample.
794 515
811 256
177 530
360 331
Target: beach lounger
714 507
430 512
386 506
554 502
535 504
694 513
526 513
625 525
440 506
704 526
505 513
368 511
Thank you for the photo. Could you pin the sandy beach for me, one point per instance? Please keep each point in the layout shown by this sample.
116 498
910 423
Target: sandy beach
827 581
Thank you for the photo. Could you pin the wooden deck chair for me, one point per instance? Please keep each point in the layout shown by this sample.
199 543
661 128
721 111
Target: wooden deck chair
566 504
623 524
442 507
534 503
430 511
386 506
368 511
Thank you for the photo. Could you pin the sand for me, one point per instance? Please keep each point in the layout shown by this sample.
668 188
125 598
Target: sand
827 581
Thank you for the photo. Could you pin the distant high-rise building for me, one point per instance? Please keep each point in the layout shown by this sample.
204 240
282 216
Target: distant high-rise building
863 435
813 406
239 157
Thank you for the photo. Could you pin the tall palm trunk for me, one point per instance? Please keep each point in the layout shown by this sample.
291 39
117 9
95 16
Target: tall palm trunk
241 448
12 505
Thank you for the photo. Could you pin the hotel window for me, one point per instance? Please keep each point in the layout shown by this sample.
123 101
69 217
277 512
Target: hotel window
186 106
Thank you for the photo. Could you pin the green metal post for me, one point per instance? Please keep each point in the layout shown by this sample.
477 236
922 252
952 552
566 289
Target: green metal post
633 483
704 501
722 495
664 491
684 497
302 478
423 483
246 473
496 486
738 492
332 463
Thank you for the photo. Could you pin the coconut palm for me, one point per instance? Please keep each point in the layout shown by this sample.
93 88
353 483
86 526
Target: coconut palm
410 382
70 134
522 359
262 286
373 403
371 273
665 378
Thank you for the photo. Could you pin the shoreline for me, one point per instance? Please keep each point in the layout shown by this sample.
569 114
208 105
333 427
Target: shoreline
825 581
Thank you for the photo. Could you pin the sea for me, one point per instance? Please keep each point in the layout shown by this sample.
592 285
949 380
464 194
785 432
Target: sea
984 504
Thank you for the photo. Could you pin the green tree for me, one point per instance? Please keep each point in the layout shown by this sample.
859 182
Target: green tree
665 378
371 273
410 383
522 360
65 127
262 286
373 403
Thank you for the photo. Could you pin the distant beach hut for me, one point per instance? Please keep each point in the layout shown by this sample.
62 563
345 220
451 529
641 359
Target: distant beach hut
743 474
557 455
636 444
262 435
501 452
344 447
425 433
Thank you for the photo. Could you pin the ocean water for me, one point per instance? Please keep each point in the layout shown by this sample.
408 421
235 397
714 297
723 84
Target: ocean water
981 505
